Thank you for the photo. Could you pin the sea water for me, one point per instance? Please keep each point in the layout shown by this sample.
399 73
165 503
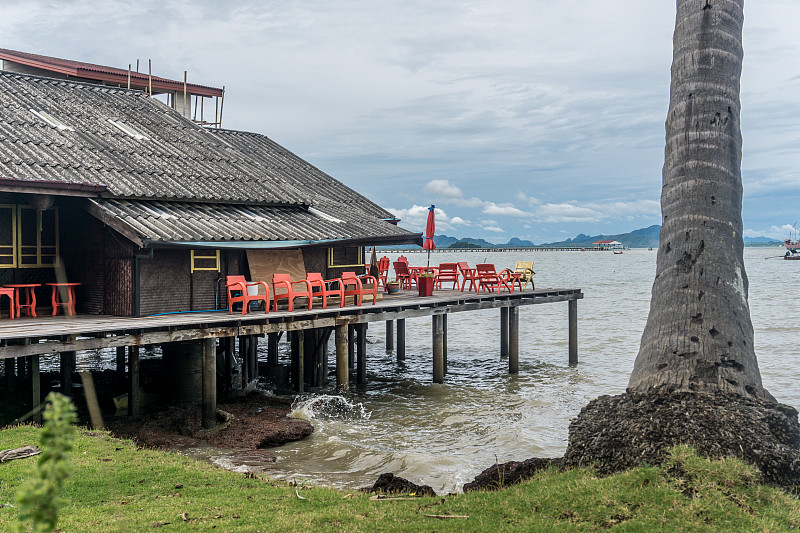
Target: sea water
442 435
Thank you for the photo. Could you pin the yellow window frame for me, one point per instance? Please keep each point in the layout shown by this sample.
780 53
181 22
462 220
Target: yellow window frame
195 256
4 247
331 259
38 255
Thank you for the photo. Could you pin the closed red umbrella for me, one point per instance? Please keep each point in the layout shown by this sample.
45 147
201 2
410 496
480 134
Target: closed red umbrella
430 227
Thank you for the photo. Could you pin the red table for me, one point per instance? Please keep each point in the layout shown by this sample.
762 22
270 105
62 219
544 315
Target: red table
30 297
70 293
10 293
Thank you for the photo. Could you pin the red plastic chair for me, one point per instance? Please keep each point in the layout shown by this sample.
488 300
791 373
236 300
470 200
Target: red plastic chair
469 274
244 292
447 272
490 280
8 291
403 258
383 270
284 281
403 275
350 279
325 287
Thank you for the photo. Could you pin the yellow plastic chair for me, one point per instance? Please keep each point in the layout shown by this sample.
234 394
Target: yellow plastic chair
525 271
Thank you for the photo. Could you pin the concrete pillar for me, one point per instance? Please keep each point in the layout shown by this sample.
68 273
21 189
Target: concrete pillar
351 350
133 376
342 363
67 367
361 354
209 410
272 348
401 339
389 336
121 360
573 332
36 389
513 340
438 349
444 342
504 332
300 381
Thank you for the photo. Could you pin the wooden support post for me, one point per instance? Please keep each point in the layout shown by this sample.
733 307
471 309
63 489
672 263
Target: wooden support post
298 384
243 360
11 372
573 332
133 389
121 360
294 351
444 342
351 341
309 355
342 364
513 340
401 339
361 354
504 332
389 336
272 349
438 349
209 412
67 367
252 351
229 344
324 379
36 388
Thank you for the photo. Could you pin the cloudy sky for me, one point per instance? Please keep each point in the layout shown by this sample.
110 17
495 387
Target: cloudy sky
517 118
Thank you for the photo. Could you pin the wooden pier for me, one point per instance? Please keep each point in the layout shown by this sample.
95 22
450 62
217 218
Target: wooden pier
29 338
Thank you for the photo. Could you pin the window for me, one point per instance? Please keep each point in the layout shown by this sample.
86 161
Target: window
28 237
127 129
205 261
346 256
50 119
8 236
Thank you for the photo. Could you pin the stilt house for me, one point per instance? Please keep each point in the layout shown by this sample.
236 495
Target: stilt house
148 209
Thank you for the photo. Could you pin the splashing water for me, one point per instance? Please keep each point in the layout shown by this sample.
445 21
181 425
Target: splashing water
327 407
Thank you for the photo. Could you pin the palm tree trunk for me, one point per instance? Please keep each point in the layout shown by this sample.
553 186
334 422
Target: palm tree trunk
698 335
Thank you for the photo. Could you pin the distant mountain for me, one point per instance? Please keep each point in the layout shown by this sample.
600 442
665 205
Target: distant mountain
760 240
640 238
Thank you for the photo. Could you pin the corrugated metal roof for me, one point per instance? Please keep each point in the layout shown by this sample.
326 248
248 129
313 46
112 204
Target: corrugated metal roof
177 160
80 69
324 190
170 222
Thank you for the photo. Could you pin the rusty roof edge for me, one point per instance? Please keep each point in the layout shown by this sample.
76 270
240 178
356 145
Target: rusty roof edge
73 186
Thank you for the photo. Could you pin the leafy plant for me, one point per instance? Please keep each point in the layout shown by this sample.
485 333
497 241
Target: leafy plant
39 498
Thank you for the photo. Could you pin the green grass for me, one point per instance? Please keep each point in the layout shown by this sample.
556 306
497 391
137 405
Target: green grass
115 487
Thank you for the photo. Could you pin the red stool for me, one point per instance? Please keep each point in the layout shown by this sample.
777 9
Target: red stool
10 293
69 304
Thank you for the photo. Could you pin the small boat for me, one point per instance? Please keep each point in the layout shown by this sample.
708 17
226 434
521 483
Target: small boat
792 249
617 252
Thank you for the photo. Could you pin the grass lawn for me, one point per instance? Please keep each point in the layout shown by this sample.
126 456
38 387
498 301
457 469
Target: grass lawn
116 487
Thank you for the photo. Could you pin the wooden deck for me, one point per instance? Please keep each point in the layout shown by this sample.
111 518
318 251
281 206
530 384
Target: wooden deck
46 335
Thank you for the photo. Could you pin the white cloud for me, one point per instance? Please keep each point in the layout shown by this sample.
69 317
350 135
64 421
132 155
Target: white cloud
774 232
459 221
567 213
491 208
494 229
444 189
532 200
415 218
